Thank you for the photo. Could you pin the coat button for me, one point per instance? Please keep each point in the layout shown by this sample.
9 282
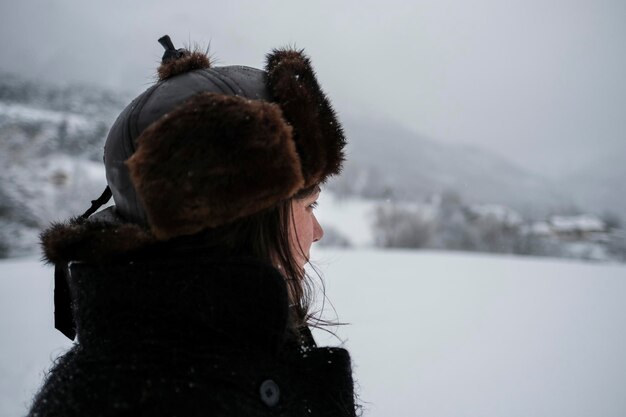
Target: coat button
270 393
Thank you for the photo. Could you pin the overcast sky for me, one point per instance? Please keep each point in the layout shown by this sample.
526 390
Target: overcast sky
538 81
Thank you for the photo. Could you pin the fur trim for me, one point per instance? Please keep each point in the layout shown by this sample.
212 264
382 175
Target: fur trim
188 62
317 132
212 160
92 241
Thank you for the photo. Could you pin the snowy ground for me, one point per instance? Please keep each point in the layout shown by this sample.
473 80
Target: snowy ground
431 334
351 217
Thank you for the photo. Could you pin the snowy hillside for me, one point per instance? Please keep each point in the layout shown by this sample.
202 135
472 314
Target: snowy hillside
52 137
387 160
448 223
600 185
51 140
431 334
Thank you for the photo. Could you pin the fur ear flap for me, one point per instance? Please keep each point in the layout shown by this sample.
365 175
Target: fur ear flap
317 132
212 160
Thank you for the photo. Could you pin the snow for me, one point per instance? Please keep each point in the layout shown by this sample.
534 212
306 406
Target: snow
582 223
56 187
431 334
29 341
14 111
541 229
436 334
351 217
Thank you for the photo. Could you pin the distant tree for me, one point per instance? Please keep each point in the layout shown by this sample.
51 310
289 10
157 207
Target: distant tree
450 203
495 236
334 238
617 245
62 138
4 248
611 220
395 227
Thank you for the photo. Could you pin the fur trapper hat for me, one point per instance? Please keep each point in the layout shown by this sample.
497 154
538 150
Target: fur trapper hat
207 145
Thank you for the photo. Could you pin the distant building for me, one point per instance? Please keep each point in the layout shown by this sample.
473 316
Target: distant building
577 227
582 227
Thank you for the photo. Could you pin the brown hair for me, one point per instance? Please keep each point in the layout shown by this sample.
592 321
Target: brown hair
264 236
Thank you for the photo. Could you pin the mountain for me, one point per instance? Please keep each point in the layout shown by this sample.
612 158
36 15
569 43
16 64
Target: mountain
52 137
600 186
386 160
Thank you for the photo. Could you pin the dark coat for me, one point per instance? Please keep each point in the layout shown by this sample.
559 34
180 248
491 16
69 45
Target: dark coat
166 331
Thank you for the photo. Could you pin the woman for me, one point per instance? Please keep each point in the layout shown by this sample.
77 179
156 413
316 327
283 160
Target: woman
189 296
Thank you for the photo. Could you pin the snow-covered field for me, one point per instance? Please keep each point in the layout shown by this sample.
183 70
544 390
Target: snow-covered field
431 334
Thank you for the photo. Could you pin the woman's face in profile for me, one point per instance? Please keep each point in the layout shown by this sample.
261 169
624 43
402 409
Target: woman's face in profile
305 228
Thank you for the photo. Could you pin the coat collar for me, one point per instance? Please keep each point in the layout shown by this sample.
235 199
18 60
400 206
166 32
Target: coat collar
102 238
123 286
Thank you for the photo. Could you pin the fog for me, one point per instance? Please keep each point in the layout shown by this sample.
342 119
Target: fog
539 82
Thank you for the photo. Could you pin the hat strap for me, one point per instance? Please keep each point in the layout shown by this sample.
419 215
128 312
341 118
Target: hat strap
99 202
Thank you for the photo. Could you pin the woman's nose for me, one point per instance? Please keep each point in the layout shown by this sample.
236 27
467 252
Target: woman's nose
318 232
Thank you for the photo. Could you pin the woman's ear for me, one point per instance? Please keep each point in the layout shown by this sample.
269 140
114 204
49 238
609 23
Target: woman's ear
317 133
212 160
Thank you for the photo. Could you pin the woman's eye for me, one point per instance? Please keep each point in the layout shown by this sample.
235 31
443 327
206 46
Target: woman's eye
313 205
